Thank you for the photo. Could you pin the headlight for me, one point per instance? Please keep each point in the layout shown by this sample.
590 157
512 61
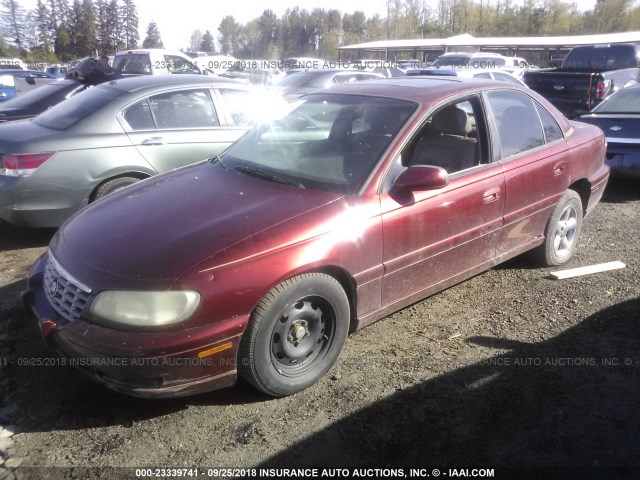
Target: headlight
145 309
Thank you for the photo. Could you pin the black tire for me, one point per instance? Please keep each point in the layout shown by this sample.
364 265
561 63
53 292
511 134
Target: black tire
562 231
295 334
111 186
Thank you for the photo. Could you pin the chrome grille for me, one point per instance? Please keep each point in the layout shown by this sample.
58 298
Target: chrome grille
65 294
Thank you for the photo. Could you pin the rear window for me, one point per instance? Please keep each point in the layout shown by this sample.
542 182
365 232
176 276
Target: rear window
66 114
134 63
589 59
624 101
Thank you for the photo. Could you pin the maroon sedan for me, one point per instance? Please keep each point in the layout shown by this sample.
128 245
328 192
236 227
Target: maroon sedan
363 199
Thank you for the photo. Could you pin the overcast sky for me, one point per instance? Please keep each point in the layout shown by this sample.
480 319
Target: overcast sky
178 19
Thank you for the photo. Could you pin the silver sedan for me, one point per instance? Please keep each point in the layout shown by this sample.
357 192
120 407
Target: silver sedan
116 134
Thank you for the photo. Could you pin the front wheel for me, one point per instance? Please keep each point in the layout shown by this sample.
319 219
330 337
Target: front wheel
562 231
295 334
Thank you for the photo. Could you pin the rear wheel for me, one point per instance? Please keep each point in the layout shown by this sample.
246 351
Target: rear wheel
114 185
562 231
295 334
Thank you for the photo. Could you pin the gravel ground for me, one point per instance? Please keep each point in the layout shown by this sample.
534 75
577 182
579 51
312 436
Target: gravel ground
510 370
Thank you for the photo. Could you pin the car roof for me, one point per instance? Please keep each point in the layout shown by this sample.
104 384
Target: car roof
416 89
133 84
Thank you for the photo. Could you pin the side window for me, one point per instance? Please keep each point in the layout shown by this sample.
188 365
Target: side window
453 138
237 104
138 116
517 122
552 130
483 75
184 109
176 64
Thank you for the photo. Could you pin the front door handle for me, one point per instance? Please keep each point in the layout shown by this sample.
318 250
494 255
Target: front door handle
153 141
491 195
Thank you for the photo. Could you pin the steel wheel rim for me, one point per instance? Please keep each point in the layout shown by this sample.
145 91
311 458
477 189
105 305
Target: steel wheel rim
302 335
565 232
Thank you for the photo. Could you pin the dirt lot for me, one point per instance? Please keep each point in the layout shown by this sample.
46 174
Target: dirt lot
510 370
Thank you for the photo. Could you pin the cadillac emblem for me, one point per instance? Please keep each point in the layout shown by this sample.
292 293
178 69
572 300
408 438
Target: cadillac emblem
53 287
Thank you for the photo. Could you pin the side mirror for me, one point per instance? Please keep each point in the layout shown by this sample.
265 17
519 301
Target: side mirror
422 177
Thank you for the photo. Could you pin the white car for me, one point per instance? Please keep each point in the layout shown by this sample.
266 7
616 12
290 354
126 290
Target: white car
154 61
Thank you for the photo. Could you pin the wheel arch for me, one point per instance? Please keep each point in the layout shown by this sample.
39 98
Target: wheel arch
583 188
348 284
138 175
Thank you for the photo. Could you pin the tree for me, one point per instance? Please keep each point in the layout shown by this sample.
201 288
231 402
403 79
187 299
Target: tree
207 42
85 30
13 21
130 33
152 40
194 41
43 27
62 45
268 30
230 35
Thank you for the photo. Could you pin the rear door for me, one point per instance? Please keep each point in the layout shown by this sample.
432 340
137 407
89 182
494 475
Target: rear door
534 155
177 128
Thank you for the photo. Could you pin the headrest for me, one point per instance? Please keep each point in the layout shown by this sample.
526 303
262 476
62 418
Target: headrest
452 121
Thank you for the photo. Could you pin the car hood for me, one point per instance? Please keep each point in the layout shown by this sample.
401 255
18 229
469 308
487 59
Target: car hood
148 235
616 127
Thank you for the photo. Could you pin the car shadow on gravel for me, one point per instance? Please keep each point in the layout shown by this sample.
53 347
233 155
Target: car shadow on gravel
621 190
572 400
14 238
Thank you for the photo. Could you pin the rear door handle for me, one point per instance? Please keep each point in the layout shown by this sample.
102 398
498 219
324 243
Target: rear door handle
153 141
491 195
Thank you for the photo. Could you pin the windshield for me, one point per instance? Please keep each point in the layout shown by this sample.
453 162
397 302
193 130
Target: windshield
329 142
66 114
624 101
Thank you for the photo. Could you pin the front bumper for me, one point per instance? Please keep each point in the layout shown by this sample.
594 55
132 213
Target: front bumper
150 365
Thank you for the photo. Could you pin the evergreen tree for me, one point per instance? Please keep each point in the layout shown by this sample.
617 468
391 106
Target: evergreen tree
62 45
152 40
207 45
13 21
131 36
43 25
86 43
114 27
103 34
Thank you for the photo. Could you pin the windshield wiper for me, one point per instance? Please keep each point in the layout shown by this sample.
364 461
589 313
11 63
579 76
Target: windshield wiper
217 159
268 176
